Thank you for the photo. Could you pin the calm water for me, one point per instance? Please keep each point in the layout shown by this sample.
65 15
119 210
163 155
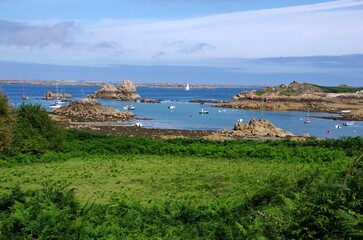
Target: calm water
186 115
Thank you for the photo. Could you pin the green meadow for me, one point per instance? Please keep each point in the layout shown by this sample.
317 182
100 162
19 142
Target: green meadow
150 178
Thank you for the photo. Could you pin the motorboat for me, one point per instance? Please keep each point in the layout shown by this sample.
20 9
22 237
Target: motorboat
55 105
129 107
171 107
348 124
60 102
203 111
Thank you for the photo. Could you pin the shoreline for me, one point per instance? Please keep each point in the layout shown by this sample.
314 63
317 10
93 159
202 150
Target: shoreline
133 130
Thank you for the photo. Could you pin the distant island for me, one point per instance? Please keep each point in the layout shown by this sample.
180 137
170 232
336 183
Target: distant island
151 85
296 96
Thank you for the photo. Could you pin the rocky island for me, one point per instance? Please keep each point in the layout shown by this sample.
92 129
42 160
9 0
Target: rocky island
302 97
89 110
125 92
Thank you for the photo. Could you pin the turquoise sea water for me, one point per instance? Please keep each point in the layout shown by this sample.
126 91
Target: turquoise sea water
186 115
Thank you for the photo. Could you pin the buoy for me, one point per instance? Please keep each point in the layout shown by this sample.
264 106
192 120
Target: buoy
328 130
190 115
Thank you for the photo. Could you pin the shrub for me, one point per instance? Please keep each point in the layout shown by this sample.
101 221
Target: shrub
7 119
48 213
36 132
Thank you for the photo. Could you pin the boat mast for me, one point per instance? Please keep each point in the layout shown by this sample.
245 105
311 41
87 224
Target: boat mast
262 107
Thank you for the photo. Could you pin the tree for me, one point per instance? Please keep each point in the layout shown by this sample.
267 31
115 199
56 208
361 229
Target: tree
7 119
36 132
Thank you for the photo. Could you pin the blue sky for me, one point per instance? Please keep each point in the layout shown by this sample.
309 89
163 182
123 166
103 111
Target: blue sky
197 41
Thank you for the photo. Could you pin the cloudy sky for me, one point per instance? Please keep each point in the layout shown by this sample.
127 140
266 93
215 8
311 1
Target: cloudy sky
198 41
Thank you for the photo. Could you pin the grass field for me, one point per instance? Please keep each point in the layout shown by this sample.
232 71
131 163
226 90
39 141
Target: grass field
151 178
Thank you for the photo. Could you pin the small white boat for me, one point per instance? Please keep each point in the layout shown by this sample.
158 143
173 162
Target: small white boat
203 111
129 107
346 111
307 120
187 88
337 126
240 120
24 97
171 107
348 124
55 105
60 102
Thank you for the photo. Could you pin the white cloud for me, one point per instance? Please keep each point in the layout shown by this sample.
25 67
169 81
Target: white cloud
19 34
332 28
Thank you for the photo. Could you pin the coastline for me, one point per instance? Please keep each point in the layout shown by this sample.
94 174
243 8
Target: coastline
151 85
158 133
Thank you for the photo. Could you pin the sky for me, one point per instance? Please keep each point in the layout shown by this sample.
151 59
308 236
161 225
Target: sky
239 42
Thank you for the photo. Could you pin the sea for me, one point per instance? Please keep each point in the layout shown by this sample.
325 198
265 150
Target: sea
186 115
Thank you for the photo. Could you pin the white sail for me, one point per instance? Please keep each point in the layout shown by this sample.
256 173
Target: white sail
187 87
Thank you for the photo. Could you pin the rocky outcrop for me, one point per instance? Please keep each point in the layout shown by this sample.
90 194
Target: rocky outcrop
125 92
260 127
149 100
55 95
91 110
52 95
257 129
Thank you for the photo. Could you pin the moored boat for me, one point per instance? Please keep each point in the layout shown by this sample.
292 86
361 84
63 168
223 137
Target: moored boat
348 124
129 107
203 111
55 105
187 88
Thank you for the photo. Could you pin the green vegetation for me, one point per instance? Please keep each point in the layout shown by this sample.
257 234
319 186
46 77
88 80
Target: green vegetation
329 89
7 118
78 185
27 129
296 89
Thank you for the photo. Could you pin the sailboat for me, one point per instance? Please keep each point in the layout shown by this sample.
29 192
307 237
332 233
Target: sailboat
203 111
58 103
24 97
307 120
187 88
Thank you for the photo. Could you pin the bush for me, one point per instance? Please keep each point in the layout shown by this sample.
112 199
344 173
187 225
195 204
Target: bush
48 213
7 119
36 132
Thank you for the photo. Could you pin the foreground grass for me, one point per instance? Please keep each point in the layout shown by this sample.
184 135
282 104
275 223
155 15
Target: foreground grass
104 187
151 178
